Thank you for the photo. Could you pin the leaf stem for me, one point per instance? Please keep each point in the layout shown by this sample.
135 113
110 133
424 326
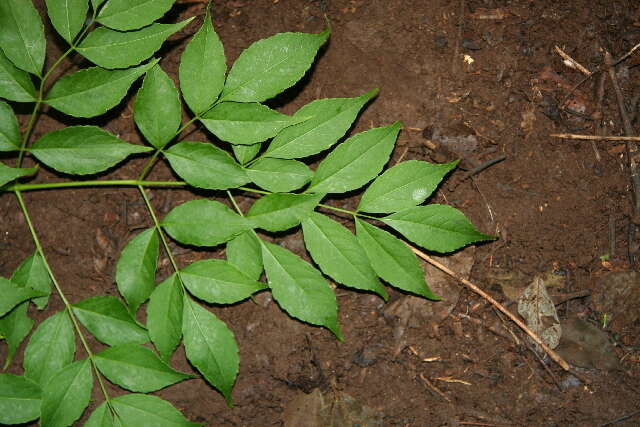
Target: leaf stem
235 205
96 183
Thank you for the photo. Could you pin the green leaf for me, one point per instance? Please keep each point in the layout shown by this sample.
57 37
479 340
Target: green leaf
205 166
146 410
279 175
157 110
14 327
438 228
164 317
109 321
211 347
82 150
356 161
244 252
19 399
67 16
330 120
13 294
299 288
102 417
67 394
339 255
8 174
125 15
105 89
245 153
51 348
96 4
405 185
136 368
392 260
136 268
280 211
246 123
202 68
22 35
33 273
216 281
114 49
15 84
197 223
9 129
269 66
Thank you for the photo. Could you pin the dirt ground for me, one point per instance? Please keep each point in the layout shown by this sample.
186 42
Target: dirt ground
474 80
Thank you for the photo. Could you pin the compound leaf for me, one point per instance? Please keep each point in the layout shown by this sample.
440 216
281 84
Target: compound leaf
8 174
392 260
20 399
114 49
15 84
67 16
22 35
51 348
33 273
136 268
282 211
14 327
269 66
299 288
279 175
202 68
9 129
67 394
217 281
356 161
205 166
245 153
105 89
245 254
405 185
203 223
136 368
211 347
13 294
109 321
329 121
439 228
164 317
146 410
125 15
157 110
82 150
339 255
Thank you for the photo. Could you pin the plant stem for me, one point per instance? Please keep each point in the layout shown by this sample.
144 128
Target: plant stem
103 183
233 201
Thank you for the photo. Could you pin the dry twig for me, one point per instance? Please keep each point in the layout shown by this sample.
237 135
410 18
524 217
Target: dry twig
596 137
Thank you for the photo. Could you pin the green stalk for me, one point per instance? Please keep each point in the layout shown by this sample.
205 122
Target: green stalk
97 183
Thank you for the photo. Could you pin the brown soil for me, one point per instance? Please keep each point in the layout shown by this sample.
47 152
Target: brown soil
552 203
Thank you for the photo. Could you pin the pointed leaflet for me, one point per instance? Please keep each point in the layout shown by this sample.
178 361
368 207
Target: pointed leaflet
246 123
136 368
203 223
22 35
439 228
114 49
202 68
164 317
245 153
211 347
136 268
216 281
405 185
33 273
125 15
392 260
356 161
282 211
102 417
205 166
19 399
109 321
146 410
245 254
14 327
279 175
9 130
51 347
330 120
339 254
15 84
82 150
105 89
157 110
8 174
299 288
269 66
13 294
67 16
67 394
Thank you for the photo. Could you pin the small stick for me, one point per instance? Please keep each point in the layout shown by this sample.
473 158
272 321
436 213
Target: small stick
483 166
626 55
596 137
562 298
612 236
621 419
555 356
434 388
544 365
573 63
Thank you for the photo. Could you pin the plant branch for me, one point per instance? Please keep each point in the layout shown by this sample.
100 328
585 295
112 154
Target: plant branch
98 183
